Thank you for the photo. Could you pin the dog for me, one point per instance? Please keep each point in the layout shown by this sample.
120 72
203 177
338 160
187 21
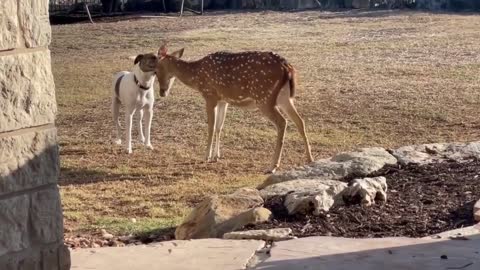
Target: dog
134 90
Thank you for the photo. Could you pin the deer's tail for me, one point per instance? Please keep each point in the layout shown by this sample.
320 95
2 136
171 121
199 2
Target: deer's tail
292 79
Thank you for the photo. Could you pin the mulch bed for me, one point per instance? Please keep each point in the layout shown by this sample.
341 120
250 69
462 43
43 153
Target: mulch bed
422 200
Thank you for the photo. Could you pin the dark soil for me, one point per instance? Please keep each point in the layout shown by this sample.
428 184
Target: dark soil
422 200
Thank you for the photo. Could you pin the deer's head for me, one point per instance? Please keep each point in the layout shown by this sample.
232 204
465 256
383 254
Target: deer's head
163 69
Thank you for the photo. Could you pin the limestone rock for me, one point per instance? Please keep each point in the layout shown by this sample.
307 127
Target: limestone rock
220 214
24 24
299 186
437 152
318 199
28 160
34 23
28 96
358 163
267 235
106 235
14 220
476 211
46 213
368 189
8 24
260 215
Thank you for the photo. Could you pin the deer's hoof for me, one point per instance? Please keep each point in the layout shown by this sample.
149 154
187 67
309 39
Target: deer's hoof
271 171
211 160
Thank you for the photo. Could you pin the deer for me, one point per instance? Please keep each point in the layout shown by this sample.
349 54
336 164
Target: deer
250 79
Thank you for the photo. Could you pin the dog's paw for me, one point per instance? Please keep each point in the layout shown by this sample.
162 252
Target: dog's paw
118 141
142 139
129 151
149 146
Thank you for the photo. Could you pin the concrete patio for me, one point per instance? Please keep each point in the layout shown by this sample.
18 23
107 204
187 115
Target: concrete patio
459 249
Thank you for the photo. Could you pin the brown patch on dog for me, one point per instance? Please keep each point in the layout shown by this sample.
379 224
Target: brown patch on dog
147 62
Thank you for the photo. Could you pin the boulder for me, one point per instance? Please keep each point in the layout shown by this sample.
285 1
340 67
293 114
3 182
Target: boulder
307 195
367 189
437 152
220 214
278 234
358 163
316 200
299 186
476 211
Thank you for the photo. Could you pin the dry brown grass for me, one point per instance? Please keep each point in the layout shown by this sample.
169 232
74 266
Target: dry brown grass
366 79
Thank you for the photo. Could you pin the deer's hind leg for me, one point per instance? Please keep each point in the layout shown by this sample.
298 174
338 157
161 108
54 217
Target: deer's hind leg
272 113
285 103
211 116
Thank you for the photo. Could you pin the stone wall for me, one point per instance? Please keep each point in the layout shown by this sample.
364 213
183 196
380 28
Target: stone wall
31 223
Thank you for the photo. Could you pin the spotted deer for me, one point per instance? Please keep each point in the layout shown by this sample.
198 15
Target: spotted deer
262 80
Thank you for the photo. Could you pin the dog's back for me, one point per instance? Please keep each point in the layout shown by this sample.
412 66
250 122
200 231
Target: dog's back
117 80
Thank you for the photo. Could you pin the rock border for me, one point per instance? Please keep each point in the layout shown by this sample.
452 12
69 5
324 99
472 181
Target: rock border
314 184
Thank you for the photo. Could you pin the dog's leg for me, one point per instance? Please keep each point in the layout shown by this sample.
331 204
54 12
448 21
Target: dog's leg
128 128
140 127
148 125
116 121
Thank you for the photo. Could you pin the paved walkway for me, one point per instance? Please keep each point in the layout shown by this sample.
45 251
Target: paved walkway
317 253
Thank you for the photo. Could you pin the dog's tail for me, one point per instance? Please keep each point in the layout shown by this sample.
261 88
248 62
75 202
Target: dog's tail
117 86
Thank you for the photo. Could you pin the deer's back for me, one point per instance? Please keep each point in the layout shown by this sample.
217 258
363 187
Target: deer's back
253 75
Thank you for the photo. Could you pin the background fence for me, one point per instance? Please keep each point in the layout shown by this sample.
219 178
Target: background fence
109 6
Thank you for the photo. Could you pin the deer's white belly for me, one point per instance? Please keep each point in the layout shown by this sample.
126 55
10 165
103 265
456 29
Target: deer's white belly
246 103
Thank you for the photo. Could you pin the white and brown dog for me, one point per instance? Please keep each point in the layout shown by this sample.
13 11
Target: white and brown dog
134 90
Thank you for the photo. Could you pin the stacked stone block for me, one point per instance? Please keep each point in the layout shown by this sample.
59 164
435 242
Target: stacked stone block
31 223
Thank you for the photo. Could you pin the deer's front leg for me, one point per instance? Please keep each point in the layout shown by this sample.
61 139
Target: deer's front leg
211 115
219 120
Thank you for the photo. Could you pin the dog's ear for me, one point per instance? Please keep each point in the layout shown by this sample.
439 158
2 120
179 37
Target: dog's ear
138 59
178 53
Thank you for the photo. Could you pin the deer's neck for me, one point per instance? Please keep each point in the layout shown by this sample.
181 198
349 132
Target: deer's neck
186 72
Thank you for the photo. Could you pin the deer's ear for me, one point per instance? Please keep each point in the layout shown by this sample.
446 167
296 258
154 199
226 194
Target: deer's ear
162 52
138 59
178 53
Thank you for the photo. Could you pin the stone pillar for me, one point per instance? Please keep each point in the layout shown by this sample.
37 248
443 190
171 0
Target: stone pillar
31 223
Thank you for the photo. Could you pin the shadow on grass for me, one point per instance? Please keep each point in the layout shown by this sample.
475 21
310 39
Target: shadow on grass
83 176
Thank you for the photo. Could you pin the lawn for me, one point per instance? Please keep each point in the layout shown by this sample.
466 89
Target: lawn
365 79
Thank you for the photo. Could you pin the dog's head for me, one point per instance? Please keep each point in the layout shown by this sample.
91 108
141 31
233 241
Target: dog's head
147 62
